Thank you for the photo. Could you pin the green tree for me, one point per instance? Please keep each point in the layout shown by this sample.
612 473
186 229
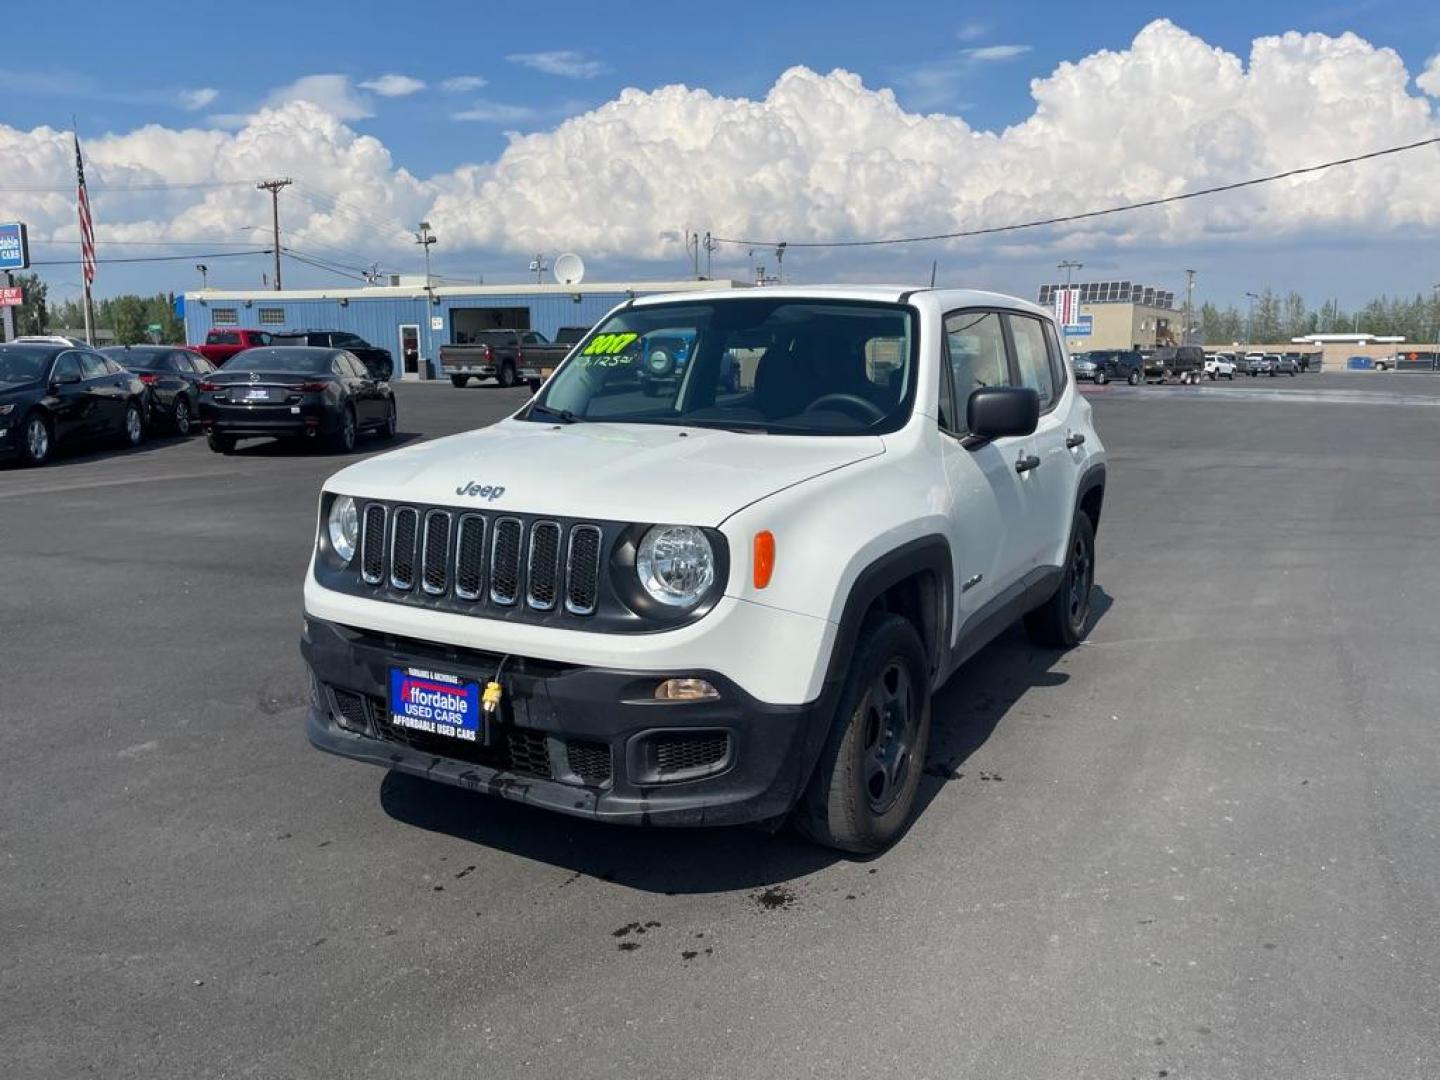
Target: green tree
33 315
1295 317
127 316
1265 326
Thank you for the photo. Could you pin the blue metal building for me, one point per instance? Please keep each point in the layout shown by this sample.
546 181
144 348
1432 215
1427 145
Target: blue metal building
413 321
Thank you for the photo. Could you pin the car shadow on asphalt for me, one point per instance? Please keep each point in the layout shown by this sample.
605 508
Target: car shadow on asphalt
965 713
89 452
289 448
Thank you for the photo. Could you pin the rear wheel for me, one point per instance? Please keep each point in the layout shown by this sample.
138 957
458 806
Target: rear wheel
221 444
507 375
863 789
132 430
459 381
344 438
180 415
1061 621
36 440
1103 378
1134 379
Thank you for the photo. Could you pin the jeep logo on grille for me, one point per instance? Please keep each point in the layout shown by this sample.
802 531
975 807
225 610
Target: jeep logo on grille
474 490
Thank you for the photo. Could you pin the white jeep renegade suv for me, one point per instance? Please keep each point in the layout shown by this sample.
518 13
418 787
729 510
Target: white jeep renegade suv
727 600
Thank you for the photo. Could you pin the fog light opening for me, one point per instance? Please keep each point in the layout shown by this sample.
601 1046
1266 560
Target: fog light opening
685 690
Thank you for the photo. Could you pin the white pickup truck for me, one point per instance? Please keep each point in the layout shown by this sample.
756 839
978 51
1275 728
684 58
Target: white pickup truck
726 600
1220 366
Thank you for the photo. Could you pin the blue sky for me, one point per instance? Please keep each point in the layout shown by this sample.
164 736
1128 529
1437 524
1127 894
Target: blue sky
494 69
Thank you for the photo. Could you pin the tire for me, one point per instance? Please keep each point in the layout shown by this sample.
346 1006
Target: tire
221 444
37 439
1134 379
132 428
862 792
506 378
1231 376
180 417
343 438
1102 378
391 425
1061 622
459 381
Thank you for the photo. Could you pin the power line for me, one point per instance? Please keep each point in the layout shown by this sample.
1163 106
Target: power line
143 243
1089 213
156 186
155 258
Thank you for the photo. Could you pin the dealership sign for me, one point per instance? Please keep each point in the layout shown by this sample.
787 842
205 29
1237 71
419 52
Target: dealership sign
14 246
1081 328
11 296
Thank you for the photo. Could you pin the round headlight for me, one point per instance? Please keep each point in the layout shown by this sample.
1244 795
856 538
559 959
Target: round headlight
344 527
676 564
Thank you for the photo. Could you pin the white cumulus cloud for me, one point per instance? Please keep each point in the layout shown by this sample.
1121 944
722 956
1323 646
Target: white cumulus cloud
818 157
333 93
565 62
392 85
1429 79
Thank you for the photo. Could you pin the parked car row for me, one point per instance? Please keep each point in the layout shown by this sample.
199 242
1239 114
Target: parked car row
1184 364
56 391
221 345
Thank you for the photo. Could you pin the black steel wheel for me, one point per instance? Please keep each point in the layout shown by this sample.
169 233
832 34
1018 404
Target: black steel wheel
862 793
1062 621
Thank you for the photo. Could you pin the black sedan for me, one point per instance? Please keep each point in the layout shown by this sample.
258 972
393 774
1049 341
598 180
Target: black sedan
294 393
52 394
173 375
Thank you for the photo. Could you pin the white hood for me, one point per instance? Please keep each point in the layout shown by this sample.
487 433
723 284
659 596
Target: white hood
612 472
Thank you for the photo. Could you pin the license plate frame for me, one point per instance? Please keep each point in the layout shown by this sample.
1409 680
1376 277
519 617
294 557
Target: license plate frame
441 703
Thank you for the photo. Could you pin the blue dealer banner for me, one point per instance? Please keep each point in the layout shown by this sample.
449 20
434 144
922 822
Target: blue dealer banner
14 246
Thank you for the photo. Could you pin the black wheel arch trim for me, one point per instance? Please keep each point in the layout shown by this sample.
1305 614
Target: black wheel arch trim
1091 479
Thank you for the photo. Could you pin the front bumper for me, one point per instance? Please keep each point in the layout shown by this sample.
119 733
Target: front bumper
584 741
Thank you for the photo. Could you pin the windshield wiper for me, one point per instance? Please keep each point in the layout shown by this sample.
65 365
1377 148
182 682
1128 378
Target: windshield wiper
565 416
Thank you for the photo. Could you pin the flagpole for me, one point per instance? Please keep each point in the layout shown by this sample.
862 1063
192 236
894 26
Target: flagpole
82 208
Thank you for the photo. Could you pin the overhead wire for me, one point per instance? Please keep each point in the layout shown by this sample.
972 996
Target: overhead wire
1089 214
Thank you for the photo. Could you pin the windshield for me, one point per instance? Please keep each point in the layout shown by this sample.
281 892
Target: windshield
22 363
301 361
785 366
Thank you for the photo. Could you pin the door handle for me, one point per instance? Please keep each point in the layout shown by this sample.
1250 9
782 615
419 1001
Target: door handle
1026 463
1074 440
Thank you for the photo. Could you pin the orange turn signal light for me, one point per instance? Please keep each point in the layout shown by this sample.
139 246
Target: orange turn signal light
764 558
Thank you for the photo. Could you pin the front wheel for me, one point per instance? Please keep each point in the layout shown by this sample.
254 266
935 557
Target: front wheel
221 444
862 792
392 421
1134 379
1061 622
35 440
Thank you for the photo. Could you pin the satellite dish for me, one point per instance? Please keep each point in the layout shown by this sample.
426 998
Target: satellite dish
569 269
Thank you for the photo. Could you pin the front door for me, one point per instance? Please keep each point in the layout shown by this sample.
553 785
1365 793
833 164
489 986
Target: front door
410 351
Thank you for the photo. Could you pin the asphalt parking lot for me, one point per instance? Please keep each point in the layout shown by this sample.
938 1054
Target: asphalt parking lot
1204 844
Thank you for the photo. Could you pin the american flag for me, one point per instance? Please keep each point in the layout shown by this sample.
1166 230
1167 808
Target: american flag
87 227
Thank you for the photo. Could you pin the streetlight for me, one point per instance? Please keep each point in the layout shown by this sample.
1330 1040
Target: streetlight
1068 265
203 270
425 238
1250 318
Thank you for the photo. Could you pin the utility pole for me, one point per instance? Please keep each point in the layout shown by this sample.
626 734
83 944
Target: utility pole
537 266
425 238
1250 317
1189 306
780 263
274 186
1435 309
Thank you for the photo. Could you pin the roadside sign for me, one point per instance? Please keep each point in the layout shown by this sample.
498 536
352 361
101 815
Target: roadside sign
1082 327
11 296
14 246
154 328
437 322
1067 306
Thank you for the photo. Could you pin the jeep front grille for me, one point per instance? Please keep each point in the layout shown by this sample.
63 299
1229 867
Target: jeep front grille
469 561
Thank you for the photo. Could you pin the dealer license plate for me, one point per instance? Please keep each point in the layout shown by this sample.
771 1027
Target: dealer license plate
256 393
435 703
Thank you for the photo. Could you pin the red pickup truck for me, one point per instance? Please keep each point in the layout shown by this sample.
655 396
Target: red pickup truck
221 345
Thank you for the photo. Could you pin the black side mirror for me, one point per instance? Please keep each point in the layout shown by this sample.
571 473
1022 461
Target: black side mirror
996 411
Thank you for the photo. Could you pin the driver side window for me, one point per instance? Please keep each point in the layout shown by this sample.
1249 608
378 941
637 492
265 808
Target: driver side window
67 367
975 348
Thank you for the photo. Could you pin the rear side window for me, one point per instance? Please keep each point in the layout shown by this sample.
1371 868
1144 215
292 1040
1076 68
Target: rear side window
975 345
224 337
1033 358
92 366
67 365
1057 357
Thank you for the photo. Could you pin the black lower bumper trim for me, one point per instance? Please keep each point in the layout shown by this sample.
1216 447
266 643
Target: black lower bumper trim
743 760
